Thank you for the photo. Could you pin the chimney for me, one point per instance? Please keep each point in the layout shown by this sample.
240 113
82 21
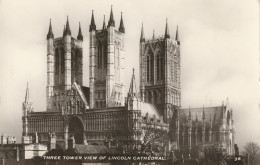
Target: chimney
3 139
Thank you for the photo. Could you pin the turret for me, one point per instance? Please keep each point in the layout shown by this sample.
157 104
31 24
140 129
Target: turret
142 38
104 24
121 27
50 33
67 55
142 63
203 126
50 65
190 119
27 104
132 89
64 30
80 36
190 129
177 36
223 126
27 107
92 48
133 99
210 129
196 130
110 78
92 26
67 29
111 21
167 34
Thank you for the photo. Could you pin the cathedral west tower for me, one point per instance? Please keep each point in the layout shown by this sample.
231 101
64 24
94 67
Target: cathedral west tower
160 72
64 62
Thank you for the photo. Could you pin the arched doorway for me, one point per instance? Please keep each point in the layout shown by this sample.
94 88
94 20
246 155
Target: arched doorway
76 129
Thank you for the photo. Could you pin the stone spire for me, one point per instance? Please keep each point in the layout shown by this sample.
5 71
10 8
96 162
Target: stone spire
27 104
132 89
197 122
121 27
104 23
210 120
27 96
203 114
167 34
92 25
50 33
153 34
67 29
111 21
189 114
142 39
177 36
80 36
64 31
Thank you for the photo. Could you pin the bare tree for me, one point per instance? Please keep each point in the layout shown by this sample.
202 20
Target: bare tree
252 150
153 138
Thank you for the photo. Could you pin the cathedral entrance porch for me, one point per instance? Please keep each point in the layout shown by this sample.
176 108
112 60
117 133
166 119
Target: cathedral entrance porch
76 129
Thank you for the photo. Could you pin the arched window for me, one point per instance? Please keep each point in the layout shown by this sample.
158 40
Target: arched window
158 67
149 97
56 61
162 65
152 67
155 97
99 54
228 118
62 61
148 68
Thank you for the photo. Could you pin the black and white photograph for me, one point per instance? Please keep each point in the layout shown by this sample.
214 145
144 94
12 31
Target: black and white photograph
128 82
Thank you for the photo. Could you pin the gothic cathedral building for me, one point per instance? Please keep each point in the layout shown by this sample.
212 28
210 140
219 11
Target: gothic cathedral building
103 111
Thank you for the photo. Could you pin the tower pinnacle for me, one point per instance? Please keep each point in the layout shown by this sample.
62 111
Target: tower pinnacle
27 96
189 114
111 21
67 29
132 88
167 34
142 39
92 25
203 114
80 36
177 36
104 23
50 33
27 104
121 27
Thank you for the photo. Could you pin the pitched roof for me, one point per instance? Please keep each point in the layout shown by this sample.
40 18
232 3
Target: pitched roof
151 110
83 93
214 112
91 149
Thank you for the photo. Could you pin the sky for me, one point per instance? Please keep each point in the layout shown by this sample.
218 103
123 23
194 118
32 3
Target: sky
219 51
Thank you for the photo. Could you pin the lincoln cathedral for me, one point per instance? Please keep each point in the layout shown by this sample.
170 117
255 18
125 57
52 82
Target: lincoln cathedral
104 112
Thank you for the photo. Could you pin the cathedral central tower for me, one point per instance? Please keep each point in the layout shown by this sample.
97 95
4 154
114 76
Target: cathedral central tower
160 72
106 64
